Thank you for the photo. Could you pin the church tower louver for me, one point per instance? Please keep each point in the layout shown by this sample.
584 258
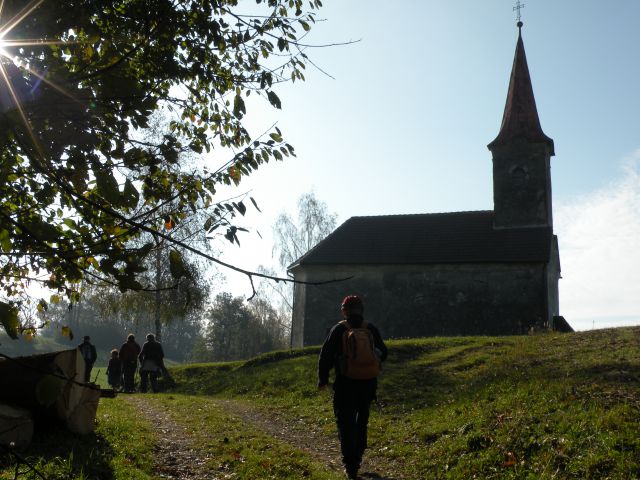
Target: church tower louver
521 155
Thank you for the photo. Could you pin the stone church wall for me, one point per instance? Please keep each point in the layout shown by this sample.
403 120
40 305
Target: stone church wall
430 300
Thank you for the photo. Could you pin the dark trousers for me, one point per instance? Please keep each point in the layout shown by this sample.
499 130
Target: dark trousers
87 372
351 402
145 375
128 374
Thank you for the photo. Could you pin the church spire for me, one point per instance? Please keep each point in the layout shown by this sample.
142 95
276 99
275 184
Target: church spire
520 117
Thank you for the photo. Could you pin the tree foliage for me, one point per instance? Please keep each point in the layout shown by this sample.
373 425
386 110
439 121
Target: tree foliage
107 316
80 79
237 329
292 238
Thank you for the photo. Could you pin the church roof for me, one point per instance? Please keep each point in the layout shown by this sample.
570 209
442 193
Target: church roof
458 237
520 118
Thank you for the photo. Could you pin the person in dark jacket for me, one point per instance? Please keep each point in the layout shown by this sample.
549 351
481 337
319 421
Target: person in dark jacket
88 352
114 370
151 363
351 398
129 352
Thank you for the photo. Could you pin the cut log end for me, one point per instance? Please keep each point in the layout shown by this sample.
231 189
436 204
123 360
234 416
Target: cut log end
49 385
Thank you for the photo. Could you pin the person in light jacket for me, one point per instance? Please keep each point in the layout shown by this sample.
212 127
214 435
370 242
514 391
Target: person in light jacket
151 363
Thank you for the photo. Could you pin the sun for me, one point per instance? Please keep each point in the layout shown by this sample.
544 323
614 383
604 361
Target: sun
9 62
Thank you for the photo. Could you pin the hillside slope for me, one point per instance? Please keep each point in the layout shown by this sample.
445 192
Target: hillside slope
547 406
541 406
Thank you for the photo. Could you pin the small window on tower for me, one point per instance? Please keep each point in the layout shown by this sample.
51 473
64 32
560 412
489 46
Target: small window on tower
519 176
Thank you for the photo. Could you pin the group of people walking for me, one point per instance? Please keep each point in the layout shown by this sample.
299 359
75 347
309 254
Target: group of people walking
353 348
123 363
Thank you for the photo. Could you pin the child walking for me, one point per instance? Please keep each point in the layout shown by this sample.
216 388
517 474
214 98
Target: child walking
114 370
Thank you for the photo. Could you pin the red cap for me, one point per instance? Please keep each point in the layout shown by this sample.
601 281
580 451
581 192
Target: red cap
351 301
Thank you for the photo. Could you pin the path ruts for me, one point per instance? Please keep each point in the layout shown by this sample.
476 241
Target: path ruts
177 458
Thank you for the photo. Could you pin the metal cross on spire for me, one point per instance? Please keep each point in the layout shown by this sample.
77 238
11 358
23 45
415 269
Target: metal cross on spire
519 6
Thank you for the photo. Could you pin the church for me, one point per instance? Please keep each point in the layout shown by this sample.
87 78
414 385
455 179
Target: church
492 272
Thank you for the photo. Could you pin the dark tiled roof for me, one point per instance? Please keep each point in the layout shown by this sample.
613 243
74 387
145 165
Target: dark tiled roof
520 117
459 237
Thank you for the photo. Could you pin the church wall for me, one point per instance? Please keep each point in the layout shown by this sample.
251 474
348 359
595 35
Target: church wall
299 297
553 277
413 301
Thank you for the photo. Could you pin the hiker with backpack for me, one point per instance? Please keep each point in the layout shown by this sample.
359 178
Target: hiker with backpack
355 349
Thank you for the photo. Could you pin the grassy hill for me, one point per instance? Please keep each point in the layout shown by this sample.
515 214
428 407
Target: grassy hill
541 406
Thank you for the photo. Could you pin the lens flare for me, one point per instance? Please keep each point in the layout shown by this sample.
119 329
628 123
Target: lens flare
11 80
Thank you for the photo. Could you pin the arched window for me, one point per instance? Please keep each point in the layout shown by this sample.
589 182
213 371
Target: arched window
519 175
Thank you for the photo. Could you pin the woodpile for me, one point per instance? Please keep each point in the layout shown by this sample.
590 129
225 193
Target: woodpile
46 387
16 426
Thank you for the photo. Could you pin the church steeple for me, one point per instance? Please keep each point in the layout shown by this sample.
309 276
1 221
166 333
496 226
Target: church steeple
521 155
520 118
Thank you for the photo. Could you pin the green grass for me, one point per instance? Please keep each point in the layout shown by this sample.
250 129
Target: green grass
542 406
236 449
546 406
120 448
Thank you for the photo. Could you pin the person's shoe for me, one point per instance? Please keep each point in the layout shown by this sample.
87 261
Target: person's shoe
352 473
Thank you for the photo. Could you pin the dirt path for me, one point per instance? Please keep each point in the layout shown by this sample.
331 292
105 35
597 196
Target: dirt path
325 450
322 449
174 457
177 459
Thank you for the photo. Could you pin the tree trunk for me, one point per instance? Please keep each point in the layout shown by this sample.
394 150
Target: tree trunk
50 385
158 324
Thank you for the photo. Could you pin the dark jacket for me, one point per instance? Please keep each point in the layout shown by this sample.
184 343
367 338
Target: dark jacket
88 352
114 368
152 350
129 351
332 350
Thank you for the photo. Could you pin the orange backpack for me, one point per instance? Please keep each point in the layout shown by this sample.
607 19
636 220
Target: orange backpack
359 359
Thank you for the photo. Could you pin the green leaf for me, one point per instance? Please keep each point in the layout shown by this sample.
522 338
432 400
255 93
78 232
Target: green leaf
107 187
5 241
274 100
9 319
131 195
132 157
48 389
129 283
176 265
42 230
239 108
276 138
145 249
255 204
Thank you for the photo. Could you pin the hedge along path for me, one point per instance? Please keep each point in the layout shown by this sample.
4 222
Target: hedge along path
183 456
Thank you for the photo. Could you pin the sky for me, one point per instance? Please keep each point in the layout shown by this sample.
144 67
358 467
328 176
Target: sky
401 122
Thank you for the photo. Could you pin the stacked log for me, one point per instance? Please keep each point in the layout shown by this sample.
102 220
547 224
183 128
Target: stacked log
50 386
16 426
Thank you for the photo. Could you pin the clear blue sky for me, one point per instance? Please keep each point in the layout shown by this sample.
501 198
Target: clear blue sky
404 125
